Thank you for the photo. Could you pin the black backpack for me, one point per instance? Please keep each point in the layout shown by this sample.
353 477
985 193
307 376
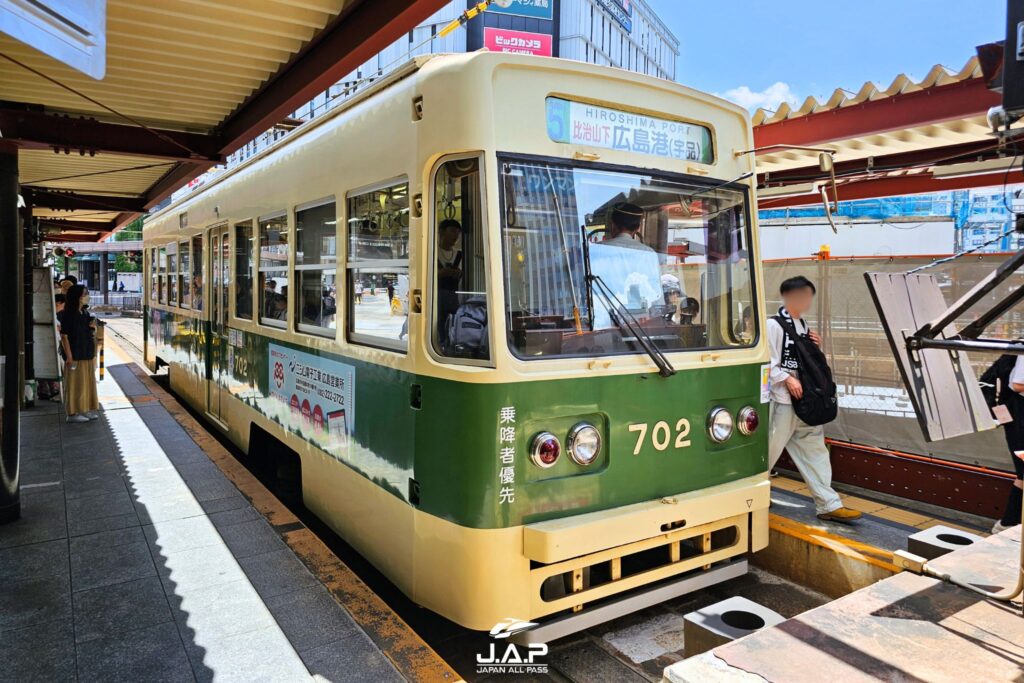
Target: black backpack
467 330
819 404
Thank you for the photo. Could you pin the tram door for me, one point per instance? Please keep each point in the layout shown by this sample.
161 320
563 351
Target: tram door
217 350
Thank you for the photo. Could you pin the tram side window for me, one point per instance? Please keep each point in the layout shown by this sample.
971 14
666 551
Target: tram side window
378 266
184 269
154 275
172 273
243 270
316 268
196 277
162 269
274 271
459 328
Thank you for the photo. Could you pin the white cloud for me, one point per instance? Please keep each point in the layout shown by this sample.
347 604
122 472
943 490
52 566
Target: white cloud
769 98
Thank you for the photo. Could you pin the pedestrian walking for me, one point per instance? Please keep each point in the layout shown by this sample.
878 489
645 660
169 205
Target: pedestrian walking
805 443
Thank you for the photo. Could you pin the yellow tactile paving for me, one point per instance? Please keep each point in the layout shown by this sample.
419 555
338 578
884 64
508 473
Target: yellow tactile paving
862 504
902 516
788 484
941 522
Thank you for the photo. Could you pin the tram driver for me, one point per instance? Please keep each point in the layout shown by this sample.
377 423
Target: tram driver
624 222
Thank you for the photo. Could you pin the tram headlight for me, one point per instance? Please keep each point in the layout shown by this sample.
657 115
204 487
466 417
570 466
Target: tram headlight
748 420
584 443
545 449
720 425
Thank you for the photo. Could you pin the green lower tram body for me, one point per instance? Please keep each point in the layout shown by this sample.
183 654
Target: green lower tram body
419 472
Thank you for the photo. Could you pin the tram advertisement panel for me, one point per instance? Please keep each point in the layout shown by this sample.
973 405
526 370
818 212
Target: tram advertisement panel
312 396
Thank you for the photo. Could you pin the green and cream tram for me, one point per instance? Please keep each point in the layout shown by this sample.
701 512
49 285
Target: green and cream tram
512 400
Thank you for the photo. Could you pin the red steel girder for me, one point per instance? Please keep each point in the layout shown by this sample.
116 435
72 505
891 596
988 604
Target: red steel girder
355 36
892 186
965 152
965 99
33 128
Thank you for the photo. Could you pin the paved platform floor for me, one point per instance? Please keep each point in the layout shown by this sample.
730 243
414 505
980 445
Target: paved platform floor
136 559
905 628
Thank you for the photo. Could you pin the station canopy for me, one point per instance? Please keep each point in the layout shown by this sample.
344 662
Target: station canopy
186 83
914 136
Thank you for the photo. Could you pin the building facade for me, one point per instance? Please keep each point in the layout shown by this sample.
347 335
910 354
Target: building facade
620 33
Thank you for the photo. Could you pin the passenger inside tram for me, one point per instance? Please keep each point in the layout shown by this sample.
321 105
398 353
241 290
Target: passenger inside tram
449 273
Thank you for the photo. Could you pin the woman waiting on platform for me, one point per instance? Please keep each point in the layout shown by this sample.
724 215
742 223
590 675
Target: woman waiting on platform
78 341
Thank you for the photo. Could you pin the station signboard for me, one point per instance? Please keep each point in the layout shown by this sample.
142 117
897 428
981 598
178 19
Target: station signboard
518 42
621 11
535 9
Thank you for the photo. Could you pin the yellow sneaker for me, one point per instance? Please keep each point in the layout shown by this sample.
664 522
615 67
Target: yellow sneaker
843 515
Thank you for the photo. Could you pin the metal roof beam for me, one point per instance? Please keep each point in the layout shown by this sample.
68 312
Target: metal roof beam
895 186
347 42
95 226
40 198
35 128
968 151
961 100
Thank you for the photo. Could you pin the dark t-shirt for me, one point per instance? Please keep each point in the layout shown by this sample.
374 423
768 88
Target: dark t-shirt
79 334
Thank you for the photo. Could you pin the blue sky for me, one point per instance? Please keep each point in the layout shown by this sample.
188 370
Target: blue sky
759 53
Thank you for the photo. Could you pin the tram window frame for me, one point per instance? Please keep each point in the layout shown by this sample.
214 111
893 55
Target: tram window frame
278 218
198 266
154 275
357 267
301 268
184 263
480 251
238 253
172 274
161 255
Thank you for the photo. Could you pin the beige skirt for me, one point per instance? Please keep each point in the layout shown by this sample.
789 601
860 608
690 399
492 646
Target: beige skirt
80 387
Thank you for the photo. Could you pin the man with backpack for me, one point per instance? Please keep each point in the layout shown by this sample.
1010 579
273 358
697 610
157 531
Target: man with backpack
803 399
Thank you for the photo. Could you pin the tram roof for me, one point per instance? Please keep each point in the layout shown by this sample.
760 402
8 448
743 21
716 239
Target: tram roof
187 82
913 136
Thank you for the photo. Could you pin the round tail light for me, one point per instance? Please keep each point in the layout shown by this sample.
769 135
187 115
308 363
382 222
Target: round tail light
545 450
584 443
748 420
720 425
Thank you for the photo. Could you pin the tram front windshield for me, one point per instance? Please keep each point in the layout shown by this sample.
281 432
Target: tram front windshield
595 258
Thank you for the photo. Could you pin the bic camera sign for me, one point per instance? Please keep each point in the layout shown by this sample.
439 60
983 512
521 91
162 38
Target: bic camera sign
504 657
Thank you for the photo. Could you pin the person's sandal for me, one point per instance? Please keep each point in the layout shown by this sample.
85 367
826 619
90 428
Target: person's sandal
841 515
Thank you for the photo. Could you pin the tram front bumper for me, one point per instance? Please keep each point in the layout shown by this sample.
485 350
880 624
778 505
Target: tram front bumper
561 539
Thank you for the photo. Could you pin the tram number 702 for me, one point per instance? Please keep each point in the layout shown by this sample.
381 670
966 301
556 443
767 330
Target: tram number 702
661 435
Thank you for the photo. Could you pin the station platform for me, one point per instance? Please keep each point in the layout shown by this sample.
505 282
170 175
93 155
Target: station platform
145 552
903 628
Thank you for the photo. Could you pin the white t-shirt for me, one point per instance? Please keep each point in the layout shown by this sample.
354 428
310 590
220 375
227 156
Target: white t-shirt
1017 374
777 375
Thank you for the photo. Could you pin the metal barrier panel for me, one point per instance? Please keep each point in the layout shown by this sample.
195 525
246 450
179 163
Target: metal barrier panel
874 407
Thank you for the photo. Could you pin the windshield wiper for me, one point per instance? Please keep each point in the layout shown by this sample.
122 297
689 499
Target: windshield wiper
620 315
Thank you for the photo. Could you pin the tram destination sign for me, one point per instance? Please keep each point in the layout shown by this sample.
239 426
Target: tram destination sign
579 123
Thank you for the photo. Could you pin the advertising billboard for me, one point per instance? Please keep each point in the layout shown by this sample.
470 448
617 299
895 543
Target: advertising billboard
535 9
518 42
